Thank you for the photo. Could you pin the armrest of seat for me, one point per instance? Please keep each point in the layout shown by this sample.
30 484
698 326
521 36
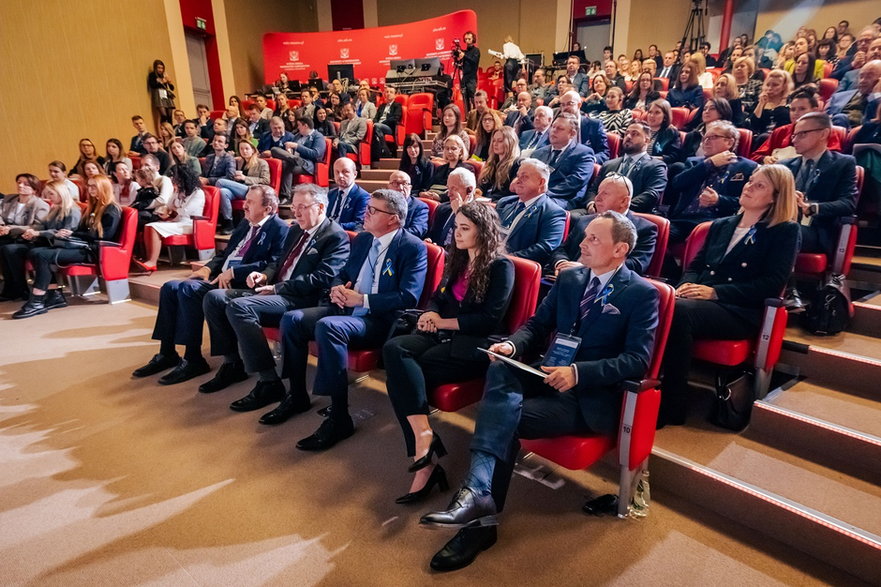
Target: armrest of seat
845 246
632 386
113 260
639 418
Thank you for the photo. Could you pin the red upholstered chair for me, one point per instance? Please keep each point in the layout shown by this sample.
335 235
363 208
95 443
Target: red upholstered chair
708 94
451 397
274 181
827 87
401 129
614 144
657 262
847 145
84 194
680 116
827 69
841 133
745 142
419 110
364 149
204 230
112 266
475 166
215 114
817 264
322 168
636 431
136 162
432 208
764 351
665 83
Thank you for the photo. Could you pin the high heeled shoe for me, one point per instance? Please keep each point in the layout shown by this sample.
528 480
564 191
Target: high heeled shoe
436 447
438 477
142 266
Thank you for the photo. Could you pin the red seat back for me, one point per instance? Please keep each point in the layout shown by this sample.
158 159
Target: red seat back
204 228
527 280
115 261
614 144
215 114
695 243
827 87
432 208
744 142
680 116
665 83
657 262
847 145
274 173
434 274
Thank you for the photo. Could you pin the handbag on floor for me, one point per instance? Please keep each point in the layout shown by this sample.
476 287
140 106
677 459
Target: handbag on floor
830 311
734 400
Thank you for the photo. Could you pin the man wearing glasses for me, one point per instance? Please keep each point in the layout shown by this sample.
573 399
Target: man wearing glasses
417 210
385 273
313 253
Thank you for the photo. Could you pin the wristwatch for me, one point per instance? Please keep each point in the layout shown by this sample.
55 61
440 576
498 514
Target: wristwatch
812 209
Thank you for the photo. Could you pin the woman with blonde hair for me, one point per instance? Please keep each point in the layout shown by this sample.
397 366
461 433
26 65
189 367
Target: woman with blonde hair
100 222
745 259
166 135
748 84
250 170
704 77
454 153
771 108
501 166
725 87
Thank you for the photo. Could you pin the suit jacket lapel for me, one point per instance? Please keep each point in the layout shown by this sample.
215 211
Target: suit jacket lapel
389 261
618 283
727 232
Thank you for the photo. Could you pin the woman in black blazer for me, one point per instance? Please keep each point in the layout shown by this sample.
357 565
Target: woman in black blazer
666 140
745 259
415 164
467 307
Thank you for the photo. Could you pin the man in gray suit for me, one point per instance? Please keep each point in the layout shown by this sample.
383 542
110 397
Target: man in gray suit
353 129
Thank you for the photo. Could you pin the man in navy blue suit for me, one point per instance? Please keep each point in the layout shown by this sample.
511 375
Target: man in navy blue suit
571 163
537 136
610 314
300 156
576 76
590 131
532 222
710 186
519 115
347 201
385 273
417 210
256 242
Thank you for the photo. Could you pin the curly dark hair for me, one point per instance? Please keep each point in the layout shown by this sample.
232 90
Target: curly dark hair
186 180
489 239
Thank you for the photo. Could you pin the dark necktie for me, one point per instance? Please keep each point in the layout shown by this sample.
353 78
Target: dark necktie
509 218
804 176
555 154
534 141
590 294
626 166
338 206
250 239
290 259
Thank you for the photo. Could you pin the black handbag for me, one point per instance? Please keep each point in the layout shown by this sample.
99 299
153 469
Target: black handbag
734 400
830 311
405 322
71 242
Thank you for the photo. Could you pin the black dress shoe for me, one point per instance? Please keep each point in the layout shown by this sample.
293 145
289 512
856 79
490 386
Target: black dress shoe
263 394
228 374
328 434
157 364
55 299
466 509
464 547
34 306
287 408
438 477
185 371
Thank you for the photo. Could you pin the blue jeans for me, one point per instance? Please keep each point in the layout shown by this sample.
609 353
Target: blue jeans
230 190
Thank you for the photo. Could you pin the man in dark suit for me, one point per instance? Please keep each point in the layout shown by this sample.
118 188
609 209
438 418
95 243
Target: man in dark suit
519 116
532 222
277 137
388 117
136 147
613 314
537 136
590 131
825 183
710 186
385 273
461 184
300 156
258 125
255 243
648 175
417 210
314 253
346 202
571 163
615 194
579 81
670 69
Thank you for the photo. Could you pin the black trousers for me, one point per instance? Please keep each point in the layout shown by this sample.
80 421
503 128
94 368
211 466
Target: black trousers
415 363
12 264
45 258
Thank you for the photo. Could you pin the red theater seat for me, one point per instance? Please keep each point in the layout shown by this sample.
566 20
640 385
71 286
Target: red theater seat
665 83
745 142
364 148
636 431
322 168
680 116
418 115
451 397
657 262
432 208
827 87
204 229
614 144
274 181
113 263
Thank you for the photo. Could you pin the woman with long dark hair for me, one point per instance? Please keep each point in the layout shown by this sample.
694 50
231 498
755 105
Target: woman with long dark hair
467 307
415 164
643 92
161 91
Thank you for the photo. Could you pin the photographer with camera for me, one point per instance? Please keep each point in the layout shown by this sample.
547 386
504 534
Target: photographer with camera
467 61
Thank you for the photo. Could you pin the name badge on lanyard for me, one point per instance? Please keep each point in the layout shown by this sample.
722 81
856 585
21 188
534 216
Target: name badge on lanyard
563 350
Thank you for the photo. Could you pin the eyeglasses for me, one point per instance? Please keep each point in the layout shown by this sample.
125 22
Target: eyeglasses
712 138
800 134
303 207
401 183
373 210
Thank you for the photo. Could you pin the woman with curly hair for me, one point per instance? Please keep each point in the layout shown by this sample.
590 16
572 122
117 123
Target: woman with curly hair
501 167
467 308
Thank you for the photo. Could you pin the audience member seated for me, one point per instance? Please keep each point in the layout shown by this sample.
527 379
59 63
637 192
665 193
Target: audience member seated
665 142
23 210
277 137
100 222
177 217
537 136
385 273
115 154
648 176
686 92
156 191
454 156
512 97
250 170
193 143
347 201
615 193
388 117
232 117
254 244
88 154
466 309
595 102
748 85
64 214
540 89
726 88
852 108
306 109
571 163
257 125
136 146
745 259
166 135
704 77
179 157
501 167
615 117
125 189
643 93
415 163
849 81
417 210
151 143
300 155
531 222
204 122
265 110
92 169
519 116
353 129
771 109
715 109
574 399
669 70
219 165
334 107
324 123
461 186
315 250
240 134
575 76
58 172
364 108
563 85
710 186
490 122
589 131
451 125
801 102
475 115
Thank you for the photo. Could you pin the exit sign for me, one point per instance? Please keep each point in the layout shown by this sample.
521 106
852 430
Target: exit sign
201 22
590 11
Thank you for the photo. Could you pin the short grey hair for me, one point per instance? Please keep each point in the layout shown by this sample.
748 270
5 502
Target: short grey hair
728 129
539 166
547 110
623 230
464 174
318 193
395 200
571 119
268 196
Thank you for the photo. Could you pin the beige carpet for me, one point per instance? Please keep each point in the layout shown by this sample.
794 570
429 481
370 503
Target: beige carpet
110 481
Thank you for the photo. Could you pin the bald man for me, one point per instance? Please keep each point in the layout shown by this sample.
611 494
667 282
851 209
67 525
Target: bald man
347 202
417 210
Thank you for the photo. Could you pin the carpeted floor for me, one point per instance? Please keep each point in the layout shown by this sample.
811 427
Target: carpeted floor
106 480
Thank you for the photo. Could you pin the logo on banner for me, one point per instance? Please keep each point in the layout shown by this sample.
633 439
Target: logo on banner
439 44
392 49
344 53
294 55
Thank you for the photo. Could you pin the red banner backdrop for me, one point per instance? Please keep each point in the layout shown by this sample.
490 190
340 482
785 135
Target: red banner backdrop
368 50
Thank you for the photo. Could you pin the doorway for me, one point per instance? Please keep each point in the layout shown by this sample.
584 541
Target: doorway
198 59
593 35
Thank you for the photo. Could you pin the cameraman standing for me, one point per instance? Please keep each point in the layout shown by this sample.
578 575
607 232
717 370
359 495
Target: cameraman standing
467 60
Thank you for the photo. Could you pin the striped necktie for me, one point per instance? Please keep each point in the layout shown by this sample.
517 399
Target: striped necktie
590 294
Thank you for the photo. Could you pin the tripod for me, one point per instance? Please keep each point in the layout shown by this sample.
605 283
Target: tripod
694 28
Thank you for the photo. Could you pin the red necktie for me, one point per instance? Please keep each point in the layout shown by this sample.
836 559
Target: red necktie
289 261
